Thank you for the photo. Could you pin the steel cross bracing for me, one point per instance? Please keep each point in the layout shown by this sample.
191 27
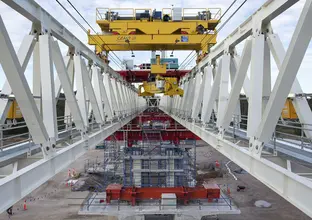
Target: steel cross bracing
213 103
96 99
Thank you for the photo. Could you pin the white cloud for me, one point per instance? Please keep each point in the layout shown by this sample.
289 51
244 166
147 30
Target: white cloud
18 26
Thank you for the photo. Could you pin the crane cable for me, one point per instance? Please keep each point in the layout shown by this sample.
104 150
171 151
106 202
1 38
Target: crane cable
92 29
207 42
230 6
222 26
226 11
85 30
233 2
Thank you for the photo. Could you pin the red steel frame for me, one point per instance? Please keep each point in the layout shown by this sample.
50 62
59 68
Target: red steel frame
184 194
137 76
174 133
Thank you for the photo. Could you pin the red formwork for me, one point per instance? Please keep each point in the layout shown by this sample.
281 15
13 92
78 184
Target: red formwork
174 132
183 194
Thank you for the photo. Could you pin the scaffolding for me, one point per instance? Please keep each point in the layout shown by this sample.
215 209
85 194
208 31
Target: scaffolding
155 164
150 160
111 165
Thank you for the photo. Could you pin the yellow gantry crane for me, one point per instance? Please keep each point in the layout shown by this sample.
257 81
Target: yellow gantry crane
129 29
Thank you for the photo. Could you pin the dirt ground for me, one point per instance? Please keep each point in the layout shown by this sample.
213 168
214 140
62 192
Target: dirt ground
52 200
255 190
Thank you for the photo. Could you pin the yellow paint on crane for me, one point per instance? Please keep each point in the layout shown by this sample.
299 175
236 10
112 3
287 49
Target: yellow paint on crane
158 68
125 29
148 42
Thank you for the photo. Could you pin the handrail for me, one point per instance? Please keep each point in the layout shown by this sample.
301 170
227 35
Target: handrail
106 13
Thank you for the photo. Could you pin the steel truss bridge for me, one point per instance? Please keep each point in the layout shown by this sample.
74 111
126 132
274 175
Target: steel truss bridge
208 109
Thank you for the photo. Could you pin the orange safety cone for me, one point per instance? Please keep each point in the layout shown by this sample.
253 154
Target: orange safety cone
217 164
25 206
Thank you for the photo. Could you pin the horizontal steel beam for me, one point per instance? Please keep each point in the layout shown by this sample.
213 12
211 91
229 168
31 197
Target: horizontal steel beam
292 187
268 11
151 42
16 186
35 13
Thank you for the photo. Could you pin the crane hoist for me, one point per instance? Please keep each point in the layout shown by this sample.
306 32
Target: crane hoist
162 84
129 29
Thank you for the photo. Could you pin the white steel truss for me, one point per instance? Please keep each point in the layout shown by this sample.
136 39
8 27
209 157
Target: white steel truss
219 109
104 96
94 98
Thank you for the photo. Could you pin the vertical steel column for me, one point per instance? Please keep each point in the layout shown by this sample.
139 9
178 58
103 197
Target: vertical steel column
224 86
127 98
105 99
107 85
89 88
66 83
190 97
122 97
128 90
47 88
211 93
199 93
185 96
17 80
256 79
233 71
237 85
117 95
37 77
266 89
96 79
237 112
81 93
71 75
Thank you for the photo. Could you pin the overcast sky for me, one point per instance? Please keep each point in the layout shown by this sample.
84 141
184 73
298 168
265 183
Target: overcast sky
284 25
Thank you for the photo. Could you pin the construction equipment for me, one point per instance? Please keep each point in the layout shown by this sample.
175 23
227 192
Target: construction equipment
166 85
129 29
289 111
14 111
